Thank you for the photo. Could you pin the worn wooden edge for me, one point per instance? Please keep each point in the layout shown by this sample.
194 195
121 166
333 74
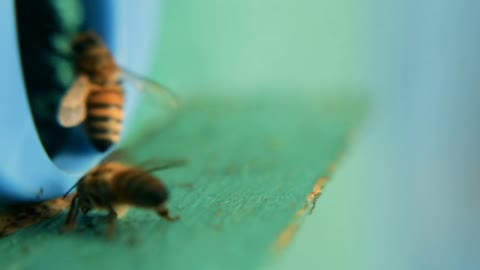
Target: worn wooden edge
19 216
287 236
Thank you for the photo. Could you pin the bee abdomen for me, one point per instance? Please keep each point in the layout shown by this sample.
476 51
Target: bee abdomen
144 192
105 117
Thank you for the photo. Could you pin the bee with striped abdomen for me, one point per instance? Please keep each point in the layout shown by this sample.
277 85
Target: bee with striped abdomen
115 186
97 95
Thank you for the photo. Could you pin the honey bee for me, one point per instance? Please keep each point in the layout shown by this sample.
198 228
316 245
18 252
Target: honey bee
115 186
97 95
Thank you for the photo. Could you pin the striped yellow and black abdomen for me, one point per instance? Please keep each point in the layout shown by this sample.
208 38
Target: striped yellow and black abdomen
140 189
105 116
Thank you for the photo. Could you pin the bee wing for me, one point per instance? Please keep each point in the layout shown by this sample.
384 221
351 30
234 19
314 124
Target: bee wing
72 110
149 86
157 164
119 154
158 106
123 155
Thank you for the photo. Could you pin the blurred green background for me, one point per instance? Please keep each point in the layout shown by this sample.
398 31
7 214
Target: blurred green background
240 47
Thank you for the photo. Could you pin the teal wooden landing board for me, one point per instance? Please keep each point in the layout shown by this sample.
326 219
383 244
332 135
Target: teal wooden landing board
252 162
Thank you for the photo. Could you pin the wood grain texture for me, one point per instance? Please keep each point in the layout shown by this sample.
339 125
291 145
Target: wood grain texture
252 164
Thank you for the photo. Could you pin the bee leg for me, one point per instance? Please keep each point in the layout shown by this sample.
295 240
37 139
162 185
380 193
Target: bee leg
111 217
164 213
72 217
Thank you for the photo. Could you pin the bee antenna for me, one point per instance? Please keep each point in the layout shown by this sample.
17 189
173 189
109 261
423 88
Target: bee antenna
70 190
172 164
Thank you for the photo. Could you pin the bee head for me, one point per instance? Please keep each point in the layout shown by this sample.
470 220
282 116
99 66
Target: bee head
85 204
85 210
85 41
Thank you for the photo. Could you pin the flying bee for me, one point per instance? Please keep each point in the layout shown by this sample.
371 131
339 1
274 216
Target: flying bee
97 94
115 186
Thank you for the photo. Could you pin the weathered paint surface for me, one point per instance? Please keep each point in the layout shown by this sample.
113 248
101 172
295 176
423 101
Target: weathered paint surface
253 163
